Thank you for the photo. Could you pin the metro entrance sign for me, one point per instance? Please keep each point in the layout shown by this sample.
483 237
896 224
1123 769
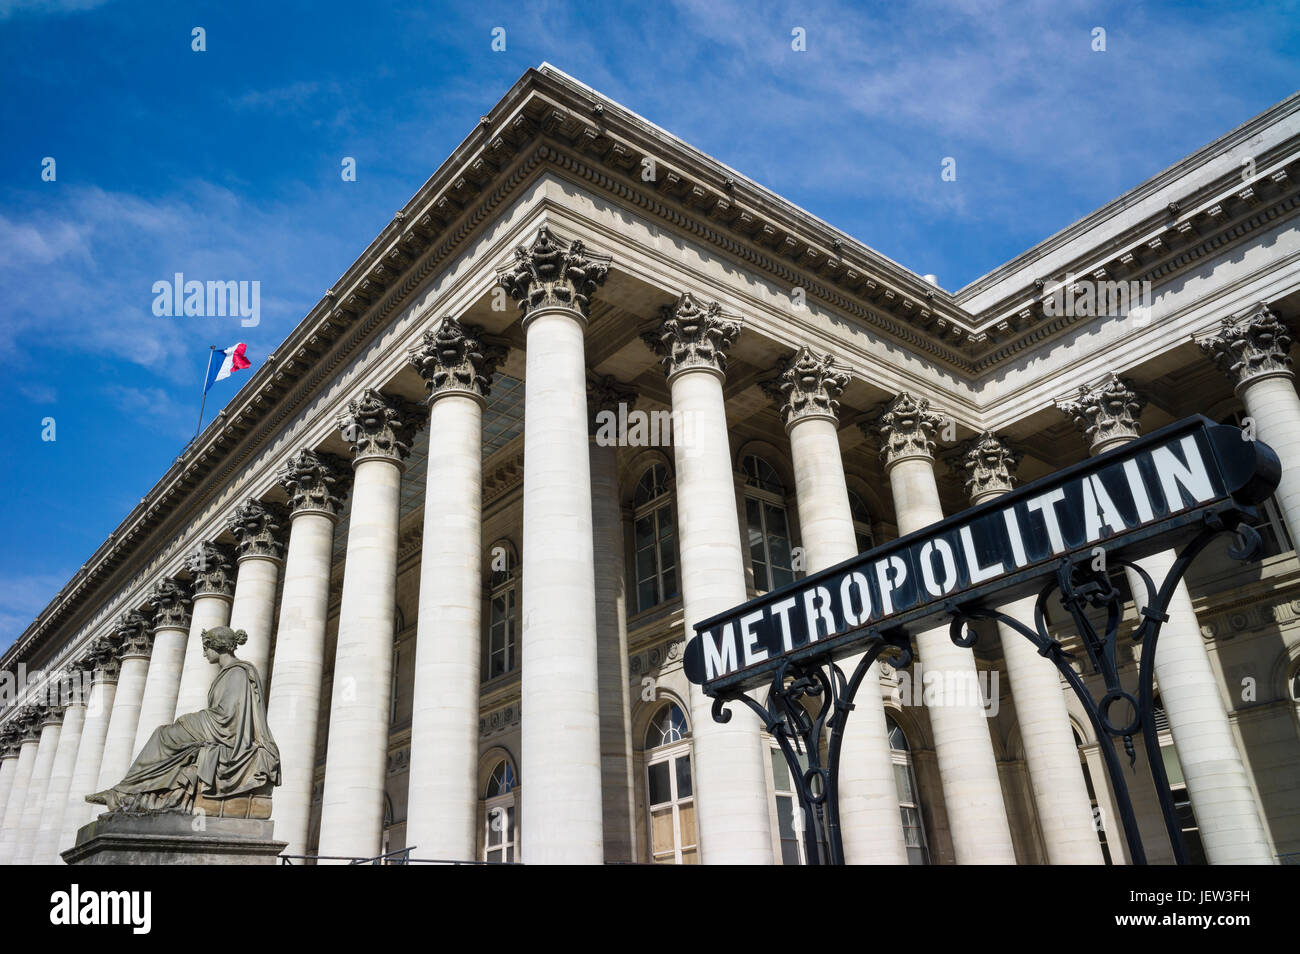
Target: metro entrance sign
1179 486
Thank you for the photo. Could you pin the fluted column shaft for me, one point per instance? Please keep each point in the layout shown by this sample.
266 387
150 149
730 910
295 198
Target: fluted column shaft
870 823
561 776
293 709
443 799
1051 755
16 804
253 609
210 609
85 774
124 720
162 683
611 626
1273 403
730 758
46 851
37 790
352 813
8 769
968 768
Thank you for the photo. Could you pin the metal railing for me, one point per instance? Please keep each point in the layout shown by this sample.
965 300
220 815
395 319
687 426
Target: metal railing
402 856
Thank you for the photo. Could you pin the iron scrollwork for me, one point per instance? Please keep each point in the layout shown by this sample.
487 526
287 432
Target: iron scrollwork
799 729
1081 587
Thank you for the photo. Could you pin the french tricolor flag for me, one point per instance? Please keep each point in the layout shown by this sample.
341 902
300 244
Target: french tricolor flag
232 360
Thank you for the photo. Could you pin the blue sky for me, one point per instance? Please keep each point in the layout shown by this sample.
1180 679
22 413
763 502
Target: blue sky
224 165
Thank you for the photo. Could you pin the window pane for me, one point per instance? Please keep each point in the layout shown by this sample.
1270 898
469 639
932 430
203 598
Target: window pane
645 595
686 821
660 790
903 779
780 771
683 763
661 832
644 531
670 583
665 515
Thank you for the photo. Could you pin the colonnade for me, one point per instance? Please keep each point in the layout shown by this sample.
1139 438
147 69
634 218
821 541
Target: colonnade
578 804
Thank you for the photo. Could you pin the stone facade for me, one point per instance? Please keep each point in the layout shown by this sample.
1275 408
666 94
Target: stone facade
470 621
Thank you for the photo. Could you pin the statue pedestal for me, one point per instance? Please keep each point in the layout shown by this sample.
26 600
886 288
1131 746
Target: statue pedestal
170 838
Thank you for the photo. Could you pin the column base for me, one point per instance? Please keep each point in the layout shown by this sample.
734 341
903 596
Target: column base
169 838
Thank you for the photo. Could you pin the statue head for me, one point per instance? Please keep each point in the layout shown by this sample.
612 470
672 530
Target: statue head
223 639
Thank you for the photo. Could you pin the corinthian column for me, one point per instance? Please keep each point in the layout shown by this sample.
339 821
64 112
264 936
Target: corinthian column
170 603
807 388
101 659
51 722
457 363
1055 773
1220 791
968 769
132 636
28 726
1252 351
211 567
619 795
46 849
10 742
314 481
562 821
731 759
258 528
379 428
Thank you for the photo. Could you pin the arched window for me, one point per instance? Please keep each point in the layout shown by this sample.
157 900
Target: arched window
908 802
499 830
655 562
766 524
861 521
500 653
669 792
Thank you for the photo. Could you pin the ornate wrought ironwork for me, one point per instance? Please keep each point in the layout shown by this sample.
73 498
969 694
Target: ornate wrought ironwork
800 730
1082 586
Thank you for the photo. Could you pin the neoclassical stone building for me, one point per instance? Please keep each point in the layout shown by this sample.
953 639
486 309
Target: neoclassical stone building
467 589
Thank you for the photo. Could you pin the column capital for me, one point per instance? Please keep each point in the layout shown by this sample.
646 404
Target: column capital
212 566
380 426
807 385
258 528
316 482
1250 346
605 393
10 740
692 336
1107 413
52 714
458 359
550 273
989 464
29 723
101 657
904 428
133 635
170 602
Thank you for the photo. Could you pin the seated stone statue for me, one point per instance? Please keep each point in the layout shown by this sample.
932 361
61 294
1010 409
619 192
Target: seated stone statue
224 752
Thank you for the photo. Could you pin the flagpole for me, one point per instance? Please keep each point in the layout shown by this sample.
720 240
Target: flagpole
212 350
